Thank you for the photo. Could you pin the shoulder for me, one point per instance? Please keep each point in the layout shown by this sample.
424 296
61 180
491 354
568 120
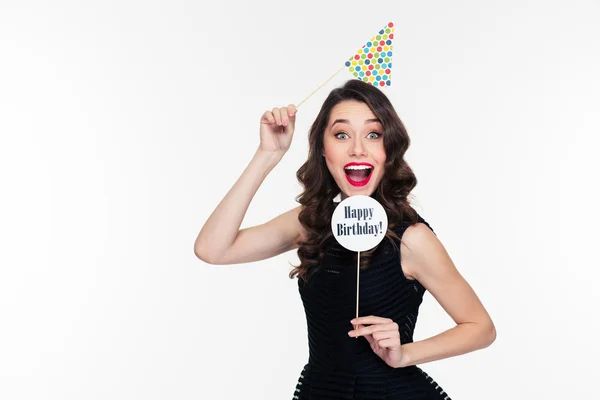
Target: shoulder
287 224
294 218
418 241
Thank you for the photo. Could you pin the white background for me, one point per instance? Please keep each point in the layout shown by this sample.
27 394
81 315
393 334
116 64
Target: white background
123 124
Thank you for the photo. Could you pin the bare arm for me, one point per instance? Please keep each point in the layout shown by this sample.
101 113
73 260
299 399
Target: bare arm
425 258
267 240
220 240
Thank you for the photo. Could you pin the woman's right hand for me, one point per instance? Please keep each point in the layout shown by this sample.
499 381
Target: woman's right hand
277 129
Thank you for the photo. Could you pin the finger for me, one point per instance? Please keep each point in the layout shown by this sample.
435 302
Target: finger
268 117
371 319
380 335
292 110
367 330
357 332
387 343
284 116
277 115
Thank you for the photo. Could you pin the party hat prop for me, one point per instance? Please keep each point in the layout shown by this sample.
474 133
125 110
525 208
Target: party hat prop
372 63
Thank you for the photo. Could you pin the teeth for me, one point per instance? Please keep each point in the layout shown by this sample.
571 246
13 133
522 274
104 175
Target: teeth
358 167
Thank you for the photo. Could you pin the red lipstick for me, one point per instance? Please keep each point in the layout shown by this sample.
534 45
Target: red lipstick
358 164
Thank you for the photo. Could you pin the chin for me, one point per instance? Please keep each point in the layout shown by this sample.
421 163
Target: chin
350 190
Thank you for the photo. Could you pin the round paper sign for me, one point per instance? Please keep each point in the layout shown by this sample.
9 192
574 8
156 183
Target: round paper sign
359 223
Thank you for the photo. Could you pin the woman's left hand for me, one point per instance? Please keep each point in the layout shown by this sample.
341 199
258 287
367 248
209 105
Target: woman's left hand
384 337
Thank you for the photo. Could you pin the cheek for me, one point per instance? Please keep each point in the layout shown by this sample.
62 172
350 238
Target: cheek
380 158
380 155
333 157
329 163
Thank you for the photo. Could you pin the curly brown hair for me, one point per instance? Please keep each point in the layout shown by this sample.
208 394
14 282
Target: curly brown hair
320 188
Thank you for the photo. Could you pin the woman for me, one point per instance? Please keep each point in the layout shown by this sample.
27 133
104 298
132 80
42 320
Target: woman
373 356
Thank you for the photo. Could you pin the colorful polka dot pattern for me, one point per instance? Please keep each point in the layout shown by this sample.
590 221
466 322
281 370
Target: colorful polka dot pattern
373 62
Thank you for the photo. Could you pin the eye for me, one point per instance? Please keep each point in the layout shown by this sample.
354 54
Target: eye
375 133
341 133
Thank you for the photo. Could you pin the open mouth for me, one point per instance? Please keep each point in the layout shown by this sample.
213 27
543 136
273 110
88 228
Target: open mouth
358 174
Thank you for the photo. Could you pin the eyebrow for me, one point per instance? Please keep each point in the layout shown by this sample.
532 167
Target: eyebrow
345 121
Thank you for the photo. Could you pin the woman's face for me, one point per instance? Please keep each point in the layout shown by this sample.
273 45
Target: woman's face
353 148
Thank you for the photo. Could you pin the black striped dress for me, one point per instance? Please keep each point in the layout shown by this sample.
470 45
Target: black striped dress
343 367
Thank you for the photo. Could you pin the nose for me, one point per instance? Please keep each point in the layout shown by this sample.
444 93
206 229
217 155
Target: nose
358 148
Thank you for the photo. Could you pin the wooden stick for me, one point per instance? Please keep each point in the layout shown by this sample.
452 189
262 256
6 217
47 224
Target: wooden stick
330 78
357 281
